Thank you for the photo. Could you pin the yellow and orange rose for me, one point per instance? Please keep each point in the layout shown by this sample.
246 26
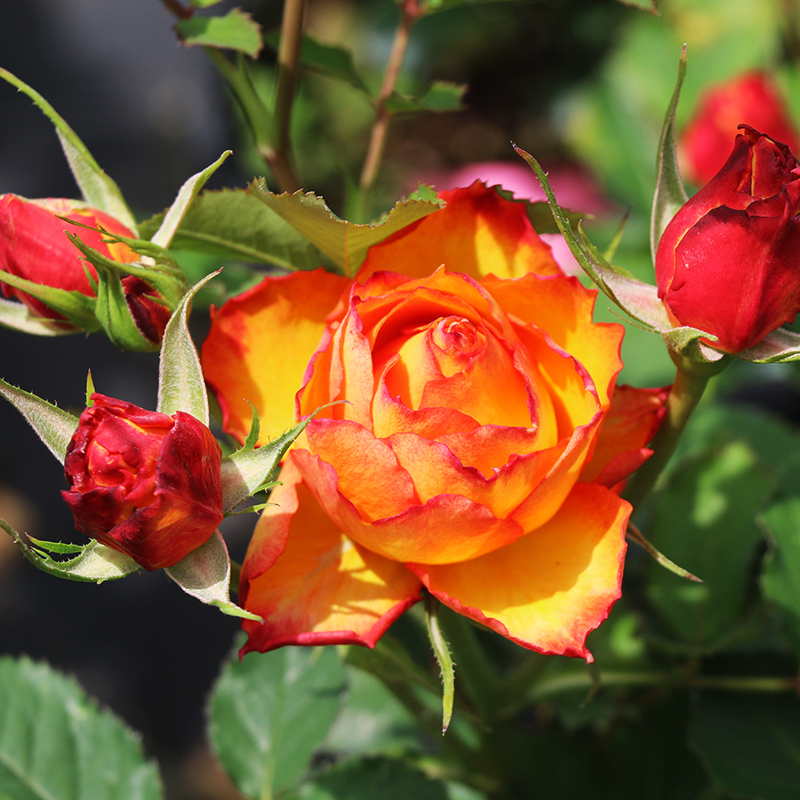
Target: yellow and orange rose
479 452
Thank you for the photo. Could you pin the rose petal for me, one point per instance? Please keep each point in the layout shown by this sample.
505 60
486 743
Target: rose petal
630 424
549 589
476 233
563 308
310 583
447 528
260 343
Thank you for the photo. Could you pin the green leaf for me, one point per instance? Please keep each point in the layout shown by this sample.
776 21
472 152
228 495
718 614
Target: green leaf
329 60
235 224
345 243
204 3
432 6
269 712
205 574
19 317
778 347
95 563
705 520
439 96
181 386
54 426
780 578
371 778
750 743
670 194
97 188
186 195
441 651
236 30
246 471
55 744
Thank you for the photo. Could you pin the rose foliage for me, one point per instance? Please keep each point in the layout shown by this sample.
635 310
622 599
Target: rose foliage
480 450
144 483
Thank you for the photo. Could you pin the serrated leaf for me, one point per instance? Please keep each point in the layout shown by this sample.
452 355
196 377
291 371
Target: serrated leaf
205 574
749 743
345 243
234 224
181 386
371 778
96 187
329 60
94 562
55 744
236 30
186 196
670 194
269 712
440 96
706 520
54 426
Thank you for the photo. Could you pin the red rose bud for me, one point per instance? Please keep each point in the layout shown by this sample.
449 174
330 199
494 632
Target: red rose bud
728 261
33 245
142 482
750 98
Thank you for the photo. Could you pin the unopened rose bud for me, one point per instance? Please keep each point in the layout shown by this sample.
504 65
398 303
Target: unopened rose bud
728 261
144 483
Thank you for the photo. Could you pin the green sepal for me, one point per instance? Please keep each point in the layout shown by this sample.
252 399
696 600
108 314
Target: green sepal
96 187
94 562
181 386
670 194
252 469
441 651
19 317
77 307
186 196
778 347
205 574
635 535
54 426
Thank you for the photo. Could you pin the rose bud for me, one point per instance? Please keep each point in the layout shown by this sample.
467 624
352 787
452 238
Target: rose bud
727 263
142 482
750 98
35 247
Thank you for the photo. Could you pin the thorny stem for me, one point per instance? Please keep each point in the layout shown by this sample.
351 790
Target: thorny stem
691 378
410 13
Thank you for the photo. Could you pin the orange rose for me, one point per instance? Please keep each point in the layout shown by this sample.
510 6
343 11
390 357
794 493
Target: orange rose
477 454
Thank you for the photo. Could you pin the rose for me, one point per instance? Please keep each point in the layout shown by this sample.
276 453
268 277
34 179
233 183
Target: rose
750 98
727 262
34 246
144 483
478 451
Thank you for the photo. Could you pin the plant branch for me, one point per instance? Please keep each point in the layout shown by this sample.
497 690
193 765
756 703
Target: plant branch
377 141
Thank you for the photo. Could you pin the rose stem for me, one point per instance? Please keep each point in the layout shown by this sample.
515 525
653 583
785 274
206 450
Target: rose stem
282 161
691 378
410 13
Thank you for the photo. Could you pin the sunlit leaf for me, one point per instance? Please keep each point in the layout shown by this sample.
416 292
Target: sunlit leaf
236 30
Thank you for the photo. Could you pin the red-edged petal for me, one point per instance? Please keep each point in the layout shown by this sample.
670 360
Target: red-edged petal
310 583
477 233
445 529
260 343
629 425
549 589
